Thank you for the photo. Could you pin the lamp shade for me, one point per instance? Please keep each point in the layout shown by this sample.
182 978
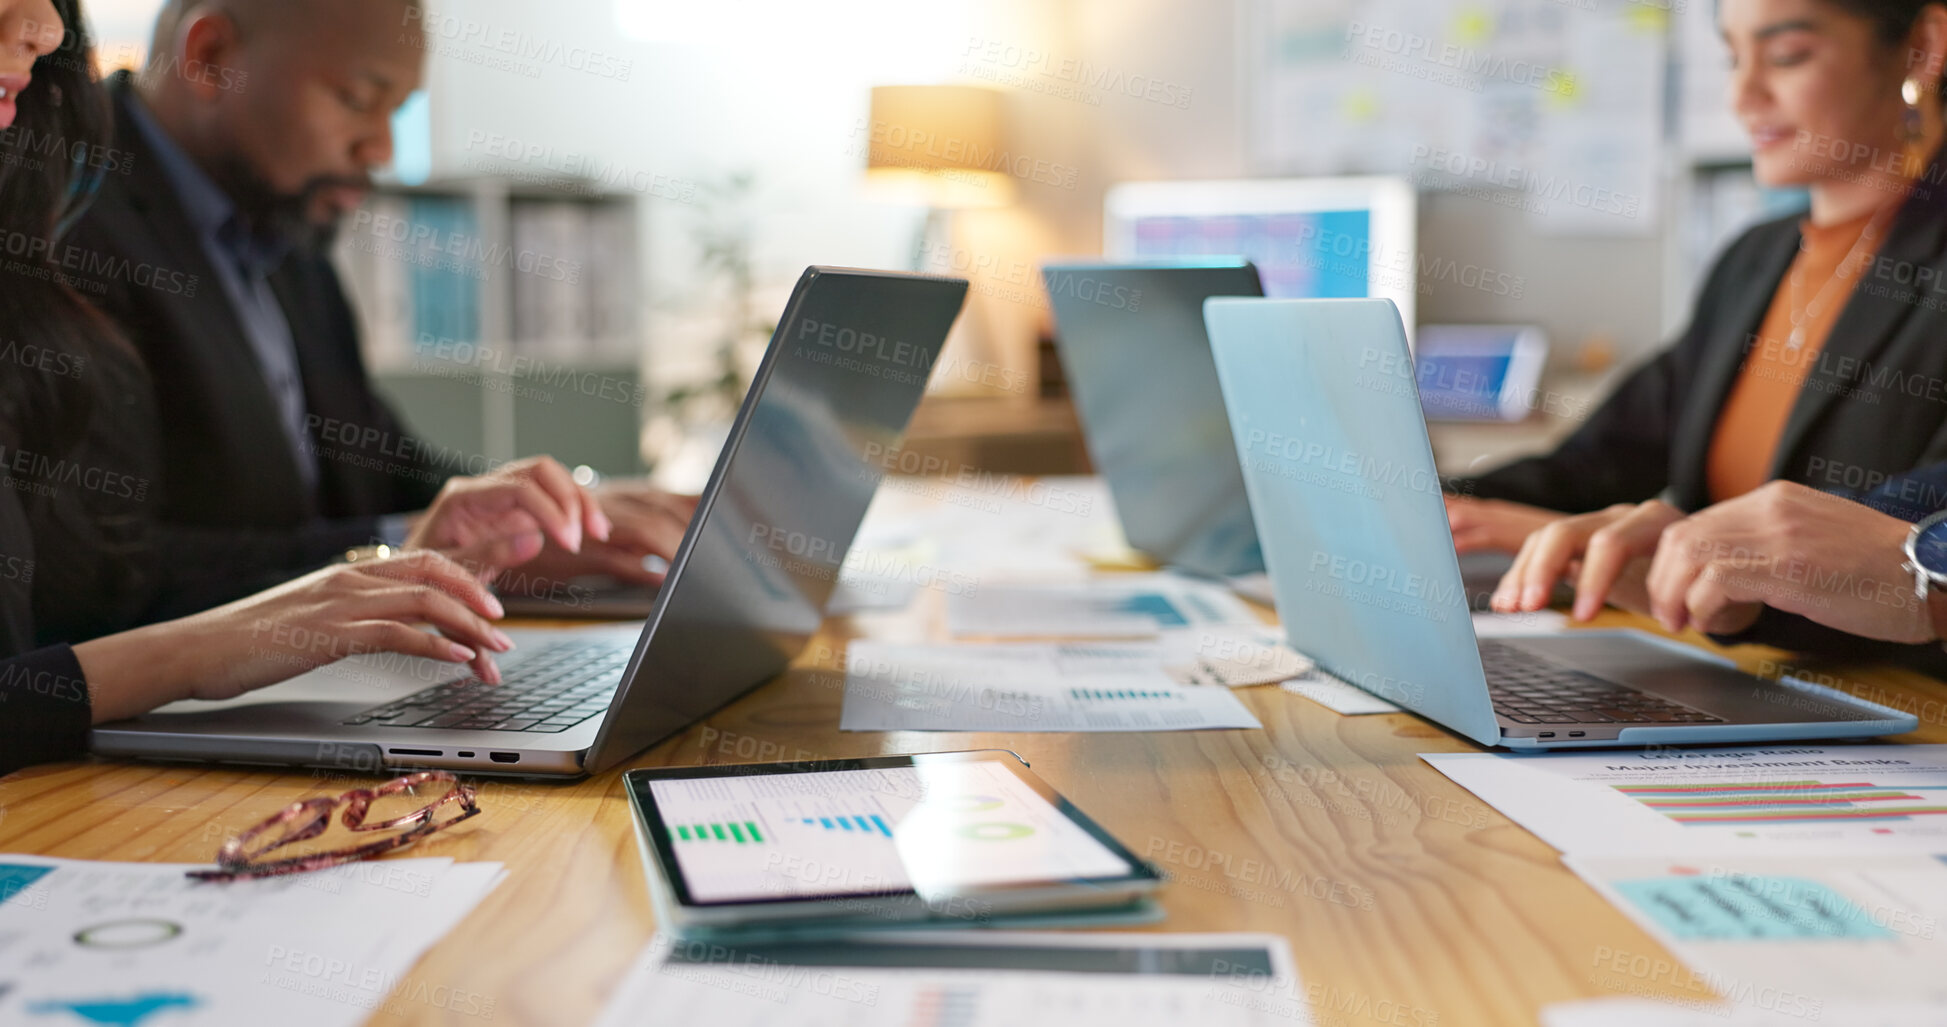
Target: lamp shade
939 146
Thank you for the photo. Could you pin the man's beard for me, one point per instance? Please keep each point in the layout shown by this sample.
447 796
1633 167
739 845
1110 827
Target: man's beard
287 216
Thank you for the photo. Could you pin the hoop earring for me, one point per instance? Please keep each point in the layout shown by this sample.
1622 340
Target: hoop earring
1910 122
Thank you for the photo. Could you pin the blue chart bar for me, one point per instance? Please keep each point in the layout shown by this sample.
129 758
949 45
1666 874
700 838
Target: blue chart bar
867 824
1149 604
15 878
1120 693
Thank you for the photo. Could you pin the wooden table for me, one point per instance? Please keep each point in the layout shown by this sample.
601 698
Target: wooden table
1011 434
1407 901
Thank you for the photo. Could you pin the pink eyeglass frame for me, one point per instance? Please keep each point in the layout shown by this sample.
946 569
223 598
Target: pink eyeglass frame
235 861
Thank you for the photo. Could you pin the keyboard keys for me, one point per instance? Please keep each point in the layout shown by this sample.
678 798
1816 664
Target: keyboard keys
1527 688
555 688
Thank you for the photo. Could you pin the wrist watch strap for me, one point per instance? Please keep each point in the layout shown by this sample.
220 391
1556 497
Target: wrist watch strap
1936 603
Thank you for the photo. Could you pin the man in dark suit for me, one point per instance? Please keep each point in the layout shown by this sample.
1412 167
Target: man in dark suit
253 130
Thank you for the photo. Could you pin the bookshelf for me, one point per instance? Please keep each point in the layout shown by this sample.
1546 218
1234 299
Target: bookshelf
502 316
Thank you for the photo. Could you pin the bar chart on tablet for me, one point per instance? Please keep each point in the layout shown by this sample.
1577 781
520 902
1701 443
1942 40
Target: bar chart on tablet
870 831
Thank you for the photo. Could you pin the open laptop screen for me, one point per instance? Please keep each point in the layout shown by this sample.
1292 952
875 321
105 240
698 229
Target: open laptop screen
747 588
1328 427
1132 343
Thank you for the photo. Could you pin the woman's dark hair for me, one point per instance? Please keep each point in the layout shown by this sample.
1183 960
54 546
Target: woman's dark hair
1891 20
50 160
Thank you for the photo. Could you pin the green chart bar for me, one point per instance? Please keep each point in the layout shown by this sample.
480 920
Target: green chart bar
743 833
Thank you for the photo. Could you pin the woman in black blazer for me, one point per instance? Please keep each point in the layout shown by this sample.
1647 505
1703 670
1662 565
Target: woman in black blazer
1843 97
78 543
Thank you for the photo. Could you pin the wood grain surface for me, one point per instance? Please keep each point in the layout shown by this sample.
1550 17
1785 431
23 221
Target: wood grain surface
1407 901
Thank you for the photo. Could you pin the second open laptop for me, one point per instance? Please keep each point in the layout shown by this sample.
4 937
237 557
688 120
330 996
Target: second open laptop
1328 427
745 591
1132 344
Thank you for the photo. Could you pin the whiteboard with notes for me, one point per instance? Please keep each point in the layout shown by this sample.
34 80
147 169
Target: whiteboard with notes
1554 107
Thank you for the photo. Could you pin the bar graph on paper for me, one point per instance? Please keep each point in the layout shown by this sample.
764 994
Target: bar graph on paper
1774 800
1789 802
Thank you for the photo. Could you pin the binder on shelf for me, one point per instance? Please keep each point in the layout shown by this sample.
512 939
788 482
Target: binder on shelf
448 264
374 275
613 279
551 278
421 265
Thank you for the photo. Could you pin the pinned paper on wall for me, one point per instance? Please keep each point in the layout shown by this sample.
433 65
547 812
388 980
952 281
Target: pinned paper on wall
1548 107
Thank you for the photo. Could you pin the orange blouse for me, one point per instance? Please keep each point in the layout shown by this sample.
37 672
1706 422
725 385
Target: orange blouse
1753 416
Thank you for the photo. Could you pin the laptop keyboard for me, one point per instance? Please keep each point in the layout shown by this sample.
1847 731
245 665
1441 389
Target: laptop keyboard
558 686
1529 688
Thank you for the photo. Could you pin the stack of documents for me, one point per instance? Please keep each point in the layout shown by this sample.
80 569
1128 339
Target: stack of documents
994 979
1792 879
87 942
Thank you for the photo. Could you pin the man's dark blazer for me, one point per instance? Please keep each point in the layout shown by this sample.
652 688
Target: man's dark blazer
227 461
1874 406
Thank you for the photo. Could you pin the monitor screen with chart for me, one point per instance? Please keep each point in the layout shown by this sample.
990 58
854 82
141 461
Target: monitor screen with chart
1310 238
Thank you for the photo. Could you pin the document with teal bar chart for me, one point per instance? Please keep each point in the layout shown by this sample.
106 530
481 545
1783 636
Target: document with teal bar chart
1007 687
1799 932
1773 800
933 830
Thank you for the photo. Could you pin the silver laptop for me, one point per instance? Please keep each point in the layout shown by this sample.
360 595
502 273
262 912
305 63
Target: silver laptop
1132 347
1327 423
1132 343
745 591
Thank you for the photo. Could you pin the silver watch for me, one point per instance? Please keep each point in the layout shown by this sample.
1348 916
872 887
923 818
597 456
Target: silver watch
1926 559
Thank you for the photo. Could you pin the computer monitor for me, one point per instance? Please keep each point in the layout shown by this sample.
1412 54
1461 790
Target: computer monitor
1311 238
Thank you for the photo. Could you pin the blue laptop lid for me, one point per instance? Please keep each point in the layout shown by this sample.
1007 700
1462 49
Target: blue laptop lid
1342 485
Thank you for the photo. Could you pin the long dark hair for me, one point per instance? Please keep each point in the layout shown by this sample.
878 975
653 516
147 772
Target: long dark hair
1891 21
50 161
